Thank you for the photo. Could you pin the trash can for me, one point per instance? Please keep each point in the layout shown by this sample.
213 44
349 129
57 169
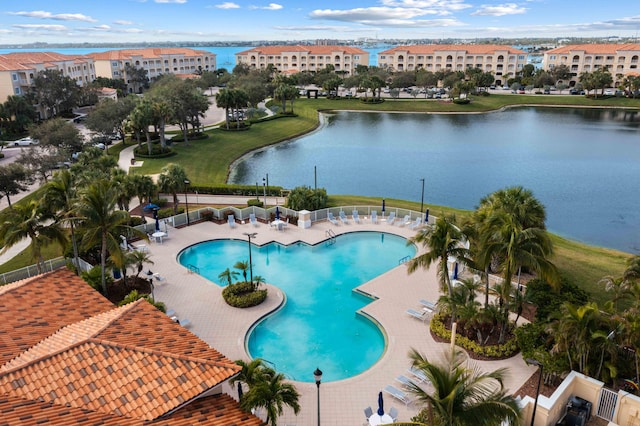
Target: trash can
133 161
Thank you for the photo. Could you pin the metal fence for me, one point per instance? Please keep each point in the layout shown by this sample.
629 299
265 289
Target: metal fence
32 270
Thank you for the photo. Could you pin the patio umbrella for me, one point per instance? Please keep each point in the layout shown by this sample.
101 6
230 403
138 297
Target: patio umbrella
239 391
455 271
150 207
383 208
380 404
426 216
277 213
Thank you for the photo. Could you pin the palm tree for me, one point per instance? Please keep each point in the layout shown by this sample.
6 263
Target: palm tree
227 276
102 223
31 220
272 393
139 258
463 396
443 239
619 287
243 266
60 196
224 99
144 189
633 268
172 180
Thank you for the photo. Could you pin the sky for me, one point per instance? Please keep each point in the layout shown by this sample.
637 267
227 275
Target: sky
118 21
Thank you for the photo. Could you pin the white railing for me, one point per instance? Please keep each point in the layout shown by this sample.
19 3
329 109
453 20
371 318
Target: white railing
32 270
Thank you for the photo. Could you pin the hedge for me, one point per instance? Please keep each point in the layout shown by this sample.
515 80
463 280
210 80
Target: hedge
503 351
245 190
242 295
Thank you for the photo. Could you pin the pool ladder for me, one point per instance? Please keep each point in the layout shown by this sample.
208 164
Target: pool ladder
331 235
404 260
194 269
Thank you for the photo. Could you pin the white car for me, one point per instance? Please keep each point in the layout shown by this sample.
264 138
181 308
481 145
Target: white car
24 142
609 92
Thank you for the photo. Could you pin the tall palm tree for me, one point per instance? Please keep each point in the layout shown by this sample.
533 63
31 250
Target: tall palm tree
633 269
462 395
619 287
443 239
31 220
144 189
272 393
172 180
227 276
242 266
224 99
60 195
102 223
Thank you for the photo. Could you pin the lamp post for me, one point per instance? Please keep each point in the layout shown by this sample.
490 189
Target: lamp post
539 364
264 189
250 235
422 199
186 200
318 376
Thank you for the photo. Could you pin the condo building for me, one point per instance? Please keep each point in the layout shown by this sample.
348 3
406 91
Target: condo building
503 62
293 59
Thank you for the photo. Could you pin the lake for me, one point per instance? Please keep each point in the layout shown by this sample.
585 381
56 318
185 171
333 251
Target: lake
582 164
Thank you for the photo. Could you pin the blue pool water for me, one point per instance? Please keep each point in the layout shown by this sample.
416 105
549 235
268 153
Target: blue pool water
319 325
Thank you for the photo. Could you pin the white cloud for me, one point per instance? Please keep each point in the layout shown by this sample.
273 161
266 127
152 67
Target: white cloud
271 6
438 5
369 14
41 14
227 5
171 1
41 27
499 10
309 28
123 22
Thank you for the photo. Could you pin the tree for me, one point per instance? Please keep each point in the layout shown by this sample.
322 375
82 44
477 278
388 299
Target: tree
14 178
224 99
443 239
242 266
172 180
462 395
17 114
284 93
141 118
54 92
144 189
31 220
426 80
228 275
269 391
136 77
561 73
139 258
58 134
109 116
102 224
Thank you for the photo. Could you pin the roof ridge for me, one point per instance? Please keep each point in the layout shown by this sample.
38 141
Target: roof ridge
67 337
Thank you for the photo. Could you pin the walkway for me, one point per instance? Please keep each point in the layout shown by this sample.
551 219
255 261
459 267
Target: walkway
342 402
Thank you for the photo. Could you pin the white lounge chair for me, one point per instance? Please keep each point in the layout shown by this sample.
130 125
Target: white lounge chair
253 220
418 374
428 304
397 394
368 412
391 218
232 221
416 223
354 215
184 322
404 221
422 316
343 218
404 380
374 216
332 219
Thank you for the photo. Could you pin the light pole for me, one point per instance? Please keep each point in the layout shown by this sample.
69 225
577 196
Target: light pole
264 189
250 235
539 364
422 199
186 200
318 376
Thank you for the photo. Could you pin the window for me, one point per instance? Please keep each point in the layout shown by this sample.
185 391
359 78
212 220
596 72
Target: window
114 64
521 57
15 77
552 57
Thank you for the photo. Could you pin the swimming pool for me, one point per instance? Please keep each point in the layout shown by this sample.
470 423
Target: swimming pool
319 325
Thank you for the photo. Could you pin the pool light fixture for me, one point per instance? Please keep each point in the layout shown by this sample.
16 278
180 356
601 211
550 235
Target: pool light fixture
318 376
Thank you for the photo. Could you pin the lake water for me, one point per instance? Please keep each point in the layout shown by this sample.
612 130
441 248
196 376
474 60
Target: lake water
582 164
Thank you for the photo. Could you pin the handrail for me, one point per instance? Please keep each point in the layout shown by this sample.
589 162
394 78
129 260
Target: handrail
404 260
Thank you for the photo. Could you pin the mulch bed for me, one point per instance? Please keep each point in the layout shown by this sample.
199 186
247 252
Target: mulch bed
117 291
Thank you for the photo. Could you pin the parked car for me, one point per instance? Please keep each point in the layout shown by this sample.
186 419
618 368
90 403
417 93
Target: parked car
521 92
24 142
609 92
576 92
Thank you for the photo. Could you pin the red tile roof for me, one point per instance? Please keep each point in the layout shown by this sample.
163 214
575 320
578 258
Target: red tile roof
17 61
472 49
311 50
127 365
149 53
595 48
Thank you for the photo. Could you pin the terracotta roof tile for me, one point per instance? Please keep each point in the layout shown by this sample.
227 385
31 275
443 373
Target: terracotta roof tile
16 61
472 49
33 309
311 50
149 53
595 48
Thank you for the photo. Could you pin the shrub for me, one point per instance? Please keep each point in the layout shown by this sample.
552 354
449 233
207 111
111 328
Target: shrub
94 277
156 152
506 350
191 136
135 221
548 301
461 101
254 202
305 198
207 215
243 295
164 213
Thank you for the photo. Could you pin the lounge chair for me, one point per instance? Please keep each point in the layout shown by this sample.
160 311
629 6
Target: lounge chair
393 413
232 221
184 322
374 216
354 215
416 223
391 218
368 412
404 380
343 218
422 316
418 374
332 219
404 221
397 394
428 304
285 225
253 220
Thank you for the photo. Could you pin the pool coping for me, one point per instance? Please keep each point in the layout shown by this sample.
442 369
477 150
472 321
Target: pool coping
224 328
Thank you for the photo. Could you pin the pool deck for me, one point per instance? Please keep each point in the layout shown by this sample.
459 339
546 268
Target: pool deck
194 298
